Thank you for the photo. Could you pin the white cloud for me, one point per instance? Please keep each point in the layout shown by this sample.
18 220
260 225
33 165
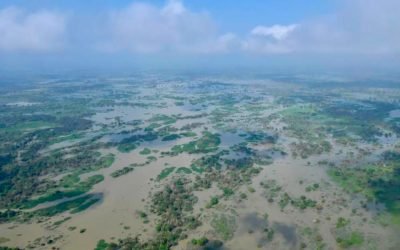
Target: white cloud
269 39
227 43
35 31
278 32
145 28
174 7
357 27
366 26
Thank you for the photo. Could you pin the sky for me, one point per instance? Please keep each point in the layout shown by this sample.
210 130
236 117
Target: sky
305 33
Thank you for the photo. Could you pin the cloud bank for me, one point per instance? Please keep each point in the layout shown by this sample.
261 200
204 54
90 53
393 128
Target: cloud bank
145 28
356 27
35 31
359 26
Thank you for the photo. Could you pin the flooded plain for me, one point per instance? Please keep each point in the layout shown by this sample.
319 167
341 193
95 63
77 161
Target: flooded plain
269 176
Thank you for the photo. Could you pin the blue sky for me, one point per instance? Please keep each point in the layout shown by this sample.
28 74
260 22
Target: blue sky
262 29
236 16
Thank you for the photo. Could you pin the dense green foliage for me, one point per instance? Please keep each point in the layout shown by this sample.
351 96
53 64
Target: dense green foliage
224 226
120 172
207 143
379 182
74 206
165 173
173 205
70 191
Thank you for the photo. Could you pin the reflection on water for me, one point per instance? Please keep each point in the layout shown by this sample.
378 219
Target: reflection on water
288 232
394 113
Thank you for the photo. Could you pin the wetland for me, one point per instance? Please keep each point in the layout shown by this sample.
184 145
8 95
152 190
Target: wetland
176 162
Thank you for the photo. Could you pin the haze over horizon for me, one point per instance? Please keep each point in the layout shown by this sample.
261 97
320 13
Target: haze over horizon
199 124
174 33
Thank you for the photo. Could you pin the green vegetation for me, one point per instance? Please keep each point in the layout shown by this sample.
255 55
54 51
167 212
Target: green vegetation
303 202
312 187
120 172
68 181
284 201
27 126
165 119
312 239
59 222
207 162
378 182
145 151
273 191
347 122
200 242
104 162
196 169
165 173
214 201
189 134
152 127
228 192
351 240
126 148
304 122
342 222
171 137
70 137
56 137
224 226
174 205
151 158
102 245
131 143
74 206
207 143
3 240
312 121
260 137
346 237
36 191
183 170
144 217
251 189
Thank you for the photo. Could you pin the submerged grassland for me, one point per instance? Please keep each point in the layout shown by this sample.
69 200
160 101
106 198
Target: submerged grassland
177 163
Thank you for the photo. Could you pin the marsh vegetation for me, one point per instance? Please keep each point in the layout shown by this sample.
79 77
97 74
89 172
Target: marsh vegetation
186 163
